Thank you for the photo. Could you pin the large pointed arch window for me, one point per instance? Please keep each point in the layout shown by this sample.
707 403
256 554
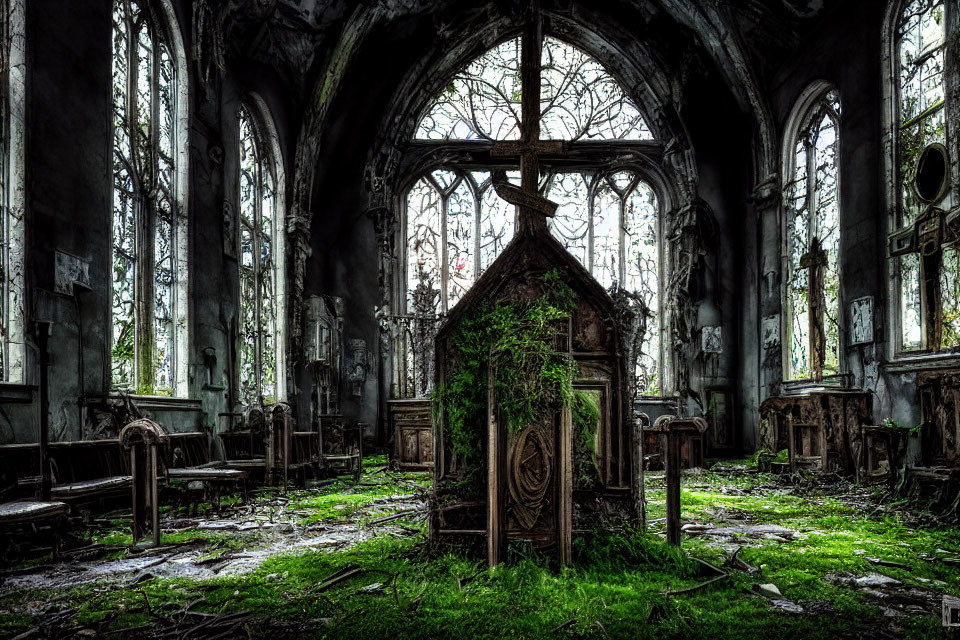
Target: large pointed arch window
812 343
261 251
455 225
149 310
925 287
12 113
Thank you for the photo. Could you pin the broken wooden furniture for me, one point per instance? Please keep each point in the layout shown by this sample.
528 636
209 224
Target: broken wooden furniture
288 451
934 480
185 459
881 452
28 521
412 428
142 440
806 445
836 415
244 440
279 436
342 445
677 432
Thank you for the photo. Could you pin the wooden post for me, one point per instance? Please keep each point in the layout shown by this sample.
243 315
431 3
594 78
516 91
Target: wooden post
640 499
137 524
791 445
565 486
154 492
672 473
495 542
46 482
142 438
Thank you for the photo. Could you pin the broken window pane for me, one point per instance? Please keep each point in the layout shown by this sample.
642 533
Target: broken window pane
496 221
950 297
605 257
642 276
461 232
424 247
571 225
920 42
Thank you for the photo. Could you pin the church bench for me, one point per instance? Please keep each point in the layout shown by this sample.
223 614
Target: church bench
186 459
82 472
243 442
88 471
24 520
154 455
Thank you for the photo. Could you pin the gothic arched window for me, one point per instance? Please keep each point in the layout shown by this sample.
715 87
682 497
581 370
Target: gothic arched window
925 287
149 310
813 239
455 225
261 251
12 113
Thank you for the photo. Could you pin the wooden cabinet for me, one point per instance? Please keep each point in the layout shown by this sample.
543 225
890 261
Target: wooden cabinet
412 433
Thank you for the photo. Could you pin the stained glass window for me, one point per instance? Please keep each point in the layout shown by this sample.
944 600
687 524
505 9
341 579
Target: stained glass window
11 189
456 225
260 243
922 108
813 245
149 266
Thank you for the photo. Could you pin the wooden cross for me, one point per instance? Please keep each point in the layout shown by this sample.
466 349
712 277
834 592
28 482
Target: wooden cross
815 261
926 237
532 208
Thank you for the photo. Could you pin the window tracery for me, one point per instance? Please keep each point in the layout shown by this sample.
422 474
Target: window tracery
12 113
261 278
149 226
813 244
455 225
925 287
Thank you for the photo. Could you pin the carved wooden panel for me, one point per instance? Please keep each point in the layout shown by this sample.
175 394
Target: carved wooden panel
940 405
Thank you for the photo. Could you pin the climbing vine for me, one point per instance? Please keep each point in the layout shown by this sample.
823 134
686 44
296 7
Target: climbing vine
517 338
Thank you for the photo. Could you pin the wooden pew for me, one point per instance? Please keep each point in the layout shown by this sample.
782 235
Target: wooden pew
152 454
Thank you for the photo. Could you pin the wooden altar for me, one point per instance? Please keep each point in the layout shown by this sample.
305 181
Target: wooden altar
819 427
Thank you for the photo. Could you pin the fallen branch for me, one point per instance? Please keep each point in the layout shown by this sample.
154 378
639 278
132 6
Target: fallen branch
697 587
335 578
396 516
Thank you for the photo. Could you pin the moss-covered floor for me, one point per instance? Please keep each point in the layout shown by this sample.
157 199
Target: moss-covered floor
270 568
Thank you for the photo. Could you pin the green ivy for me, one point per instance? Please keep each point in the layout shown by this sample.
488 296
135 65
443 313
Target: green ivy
517 337
586 420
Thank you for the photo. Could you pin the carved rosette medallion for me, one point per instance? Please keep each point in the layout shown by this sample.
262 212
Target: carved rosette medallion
531 462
